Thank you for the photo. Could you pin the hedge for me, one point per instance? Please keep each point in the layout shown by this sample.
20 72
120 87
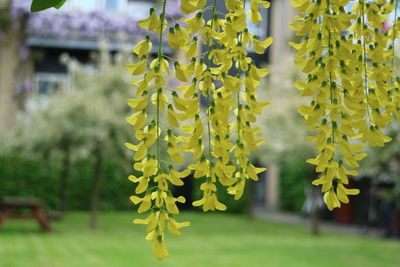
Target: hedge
24 177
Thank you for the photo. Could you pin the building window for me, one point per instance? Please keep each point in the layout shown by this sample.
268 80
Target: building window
139 9
86 6
50 83
111 5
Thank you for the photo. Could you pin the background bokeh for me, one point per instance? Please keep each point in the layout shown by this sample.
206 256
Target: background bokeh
63 92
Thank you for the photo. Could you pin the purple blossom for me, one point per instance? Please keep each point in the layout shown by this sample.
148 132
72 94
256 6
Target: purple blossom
173 8
79 25
82 25
19 8
23 87
23 52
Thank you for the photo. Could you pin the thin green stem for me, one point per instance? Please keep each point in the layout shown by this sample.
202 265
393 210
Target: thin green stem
238 93
214 9
331 89
365 59
162 18
160 57
394 37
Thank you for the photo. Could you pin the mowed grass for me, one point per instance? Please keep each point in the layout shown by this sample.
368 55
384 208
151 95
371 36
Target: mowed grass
213 240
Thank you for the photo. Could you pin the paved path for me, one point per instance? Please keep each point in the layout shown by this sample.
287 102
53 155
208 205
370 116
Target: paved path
289 218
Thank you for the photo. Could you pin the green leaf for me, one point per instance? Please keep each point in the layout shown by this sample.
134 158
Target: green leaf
39 5
58 6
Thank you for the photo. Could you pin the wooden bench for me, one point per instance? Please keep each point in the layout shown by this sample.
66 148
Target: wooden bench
11 207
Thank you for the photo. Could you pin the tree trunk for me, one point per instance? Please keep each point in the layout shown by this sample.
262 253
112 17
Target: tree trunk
8 67
95 199
66 166
315 216
251 204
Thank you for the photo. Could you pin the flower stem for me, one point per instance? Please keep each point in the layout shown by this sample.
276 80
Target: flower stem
159 91
214 9
394 36
365 59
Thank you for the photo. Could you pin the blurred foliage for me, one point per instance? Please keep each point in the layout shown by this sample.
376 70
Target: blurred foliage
77 121
91 111
285 134
295 177
33 177
282 127
383 163
383 166
21 176
3 17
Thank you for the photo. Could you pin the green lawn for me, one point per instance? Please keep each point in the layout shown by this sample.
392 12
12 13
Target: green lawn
213 240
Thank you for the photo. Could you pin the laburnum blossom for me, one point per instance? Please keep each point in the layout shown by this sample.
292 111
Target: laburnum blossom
393 33
347 57
219 135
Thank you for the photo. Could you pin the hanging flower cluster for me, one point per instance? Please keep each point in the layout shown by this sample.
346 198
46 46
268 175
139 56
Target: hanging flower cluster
220 135
393 34
347 57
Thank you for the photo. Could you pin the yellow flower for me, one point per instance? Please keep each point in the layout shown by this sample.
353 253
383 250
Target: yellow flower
205 131
152 23
146 202
189 106
188 89
225 173
143 183
139 67
254 12
174 226
215 204
142 85
190 6
159 248
195 23
177 37
343 192
171 203
349 90
238 189
257 73
180 73
143 47
159 99
253 172
191 50
200 168
138 104
175 177
161 64
162 181
138 119
171 116
207 35
331 200
141 150
260 46
148 166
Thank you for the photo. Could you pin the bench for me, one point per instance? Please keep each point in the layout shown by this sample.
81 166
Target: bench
11 207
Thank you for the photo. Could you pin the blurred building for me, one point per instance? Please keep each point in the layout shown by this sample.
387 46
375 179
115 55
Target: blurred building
31 44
